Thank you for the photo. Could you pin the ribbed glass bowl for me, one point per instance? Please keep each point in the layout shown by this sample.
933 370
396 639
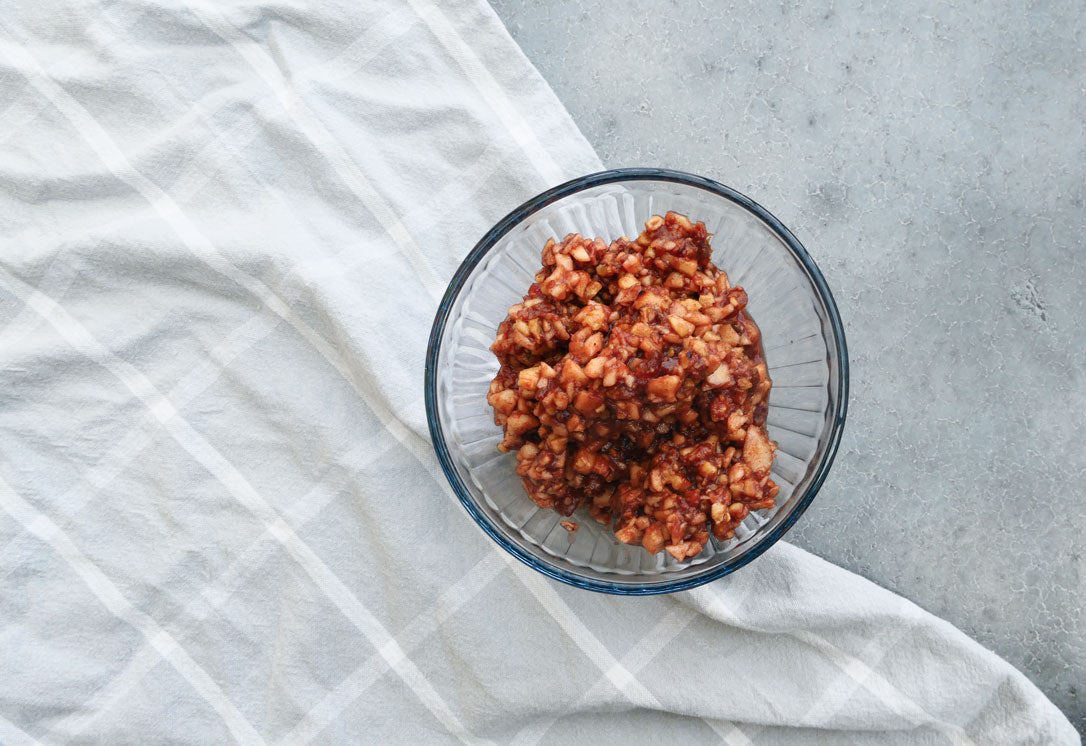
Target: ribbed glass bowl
789 300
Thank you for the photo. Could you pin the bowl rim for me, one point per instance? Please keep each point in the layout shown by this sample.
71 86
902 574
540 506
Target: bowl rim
490 239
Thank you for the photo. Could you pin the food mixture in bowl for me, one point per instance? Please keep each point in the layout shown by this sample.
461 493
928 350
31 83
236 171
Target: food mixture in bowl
633 382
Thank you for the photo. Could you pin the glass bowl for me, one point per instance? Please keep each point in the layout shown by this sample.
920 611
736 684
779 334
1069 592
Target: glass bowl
789 300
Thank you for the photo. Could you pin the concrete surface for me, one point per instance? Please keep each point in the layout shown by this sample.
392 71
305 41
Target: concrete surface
932 158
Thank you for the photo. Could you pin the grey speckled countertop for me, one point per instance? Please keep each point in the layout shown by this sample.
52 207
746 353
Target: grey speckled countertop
932 158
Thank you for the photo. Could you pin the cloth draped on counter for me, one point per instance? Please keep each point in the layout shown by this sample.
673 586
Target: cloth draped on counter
224 230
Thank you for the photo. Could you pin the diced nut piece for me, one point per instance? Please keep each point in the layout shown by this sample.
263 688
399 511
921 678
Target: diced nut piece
594 368
652 298
504 401
729 335
681 326
687 266
656 480
736 421
593 315
528 379
584 345
738 472
519 423
718 512
572 373
593 344
678 482
583 461
557 443
628 534
722 376
757 450
719 408
589 402
751 488
681 550
653 540
663 388
627 410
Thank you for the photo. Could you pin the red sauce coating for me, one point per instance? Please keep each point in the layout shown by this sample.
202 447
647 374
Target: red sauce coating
633 382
